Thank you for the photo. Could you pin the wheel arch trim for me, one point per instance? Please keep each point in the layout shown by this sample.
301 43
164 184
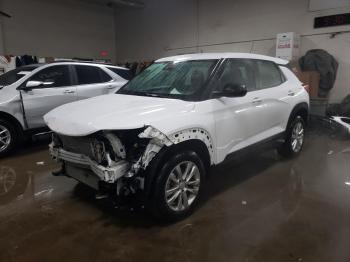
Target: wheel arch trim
195 134
162 147
12 119
300 107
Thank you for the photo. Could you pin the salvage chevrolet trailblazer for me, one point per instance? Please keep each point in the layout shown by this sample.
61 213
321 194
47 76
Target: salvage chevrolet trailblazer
160 133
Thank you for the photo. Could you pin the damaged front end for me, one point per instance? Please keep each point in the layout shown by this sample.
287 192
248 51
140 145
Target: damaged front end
109 158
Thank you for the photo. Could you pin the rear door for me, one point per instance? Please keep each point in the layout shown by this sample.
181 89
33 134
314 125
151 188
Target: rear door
93 81
272 97
58 90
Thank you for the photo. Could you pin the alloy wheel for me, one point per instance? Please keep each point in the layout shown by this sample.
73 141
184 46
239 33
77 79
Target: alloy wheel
182 186
5 138
297 139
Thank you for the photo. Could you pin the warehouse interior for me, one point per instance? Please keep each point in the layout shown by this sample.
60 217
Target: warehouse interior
258 207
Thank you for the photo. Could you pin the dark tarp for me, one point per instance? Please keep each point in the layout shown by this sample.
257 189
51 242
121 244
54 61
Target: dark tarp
321 61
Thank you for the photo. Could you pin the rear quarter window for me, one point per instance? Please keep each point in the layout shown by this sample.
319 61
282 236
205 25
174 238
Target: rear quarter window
123 73
267 74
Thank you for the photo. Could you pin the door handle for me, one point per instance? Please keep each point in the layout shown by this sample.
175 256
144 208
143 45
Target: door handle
68 91
256 100
291 93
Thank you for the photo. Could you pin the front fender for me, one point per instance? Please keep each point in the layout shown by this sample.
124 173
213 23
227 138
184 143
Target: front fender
182 136
195 133
13 111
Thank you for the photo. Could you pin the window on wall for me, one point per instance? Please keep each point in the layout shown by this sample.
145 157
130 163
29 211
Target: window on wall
91 75
268 74
238 72
53 76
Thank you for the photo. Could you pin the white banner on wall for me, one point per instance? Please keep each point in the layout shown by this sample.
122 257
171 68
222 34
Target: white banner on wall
315 5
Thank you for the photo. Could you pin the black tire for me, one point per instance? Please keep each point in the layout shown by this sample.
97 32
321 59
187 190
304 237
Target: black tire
14 137
159 206
287 149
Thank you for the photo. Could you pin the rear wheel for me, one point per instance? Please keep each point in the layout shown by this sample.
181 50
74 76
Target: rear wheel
294 138
8 137
178 187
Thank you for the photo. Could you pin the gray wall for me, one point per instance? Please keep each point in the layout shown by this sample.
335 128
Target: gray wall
1 32
1 40
168 27
58 28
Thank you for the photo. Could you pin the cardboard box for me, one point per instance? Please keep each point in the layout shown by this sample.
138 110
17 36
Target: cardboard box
294 65
318 106
288 46
312 80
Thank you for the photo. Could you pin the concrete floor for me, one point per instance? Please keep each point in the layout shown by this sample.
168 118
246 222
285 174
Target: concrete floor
257 208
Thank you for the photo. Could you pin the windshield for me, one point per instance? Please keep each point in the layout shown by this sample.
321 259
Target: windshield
14 75
179 79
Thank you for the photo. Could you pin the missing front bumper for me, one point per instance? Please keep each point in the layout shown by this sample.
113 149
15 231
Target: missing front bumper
107 174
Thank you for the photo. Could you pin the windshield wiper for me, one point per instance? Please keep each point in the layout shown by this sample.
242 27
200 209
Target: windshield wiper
129 92
151 94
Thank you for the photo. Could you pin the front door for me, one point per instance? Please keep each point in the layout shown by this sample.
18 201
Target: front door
236 118
56 90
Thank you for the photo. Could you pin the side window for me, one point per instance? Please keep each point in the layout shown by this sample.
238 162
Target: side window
124 73
91 75
53 76
268 74
237 72
200 70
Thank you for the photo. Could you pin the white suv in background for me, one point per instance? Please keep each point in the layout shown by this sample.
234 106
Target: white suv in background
29 92
159 134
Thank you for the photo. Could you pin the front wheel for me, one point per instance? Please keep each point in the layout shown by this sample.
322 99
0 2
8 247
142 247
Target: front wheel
294 138
178 186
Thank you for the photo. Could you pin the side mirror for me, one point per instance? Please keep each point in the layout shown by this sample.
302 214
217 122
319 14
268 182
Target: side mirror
32 84
232 90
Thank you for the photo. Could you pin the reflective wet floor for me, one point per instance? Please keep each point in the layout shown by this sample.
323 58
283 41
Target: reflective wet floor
256 208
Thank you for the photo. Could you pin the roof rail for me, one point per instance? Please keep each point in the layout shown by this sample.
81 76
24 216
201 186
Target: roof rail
80 61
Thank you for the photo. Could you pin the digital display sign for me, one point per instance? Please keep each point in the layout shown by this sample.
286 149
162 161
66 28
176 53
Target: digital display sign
332 20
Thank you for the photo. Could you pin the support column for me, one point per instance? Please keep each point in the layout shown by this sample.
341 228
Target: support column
2 37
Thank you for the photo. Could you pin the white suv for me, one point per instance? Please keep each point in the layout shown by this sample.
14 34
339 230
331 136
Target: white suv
27 93
159 134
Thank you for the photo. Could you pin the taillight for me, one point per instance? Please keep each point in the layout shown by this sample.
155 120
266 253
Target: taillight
306 87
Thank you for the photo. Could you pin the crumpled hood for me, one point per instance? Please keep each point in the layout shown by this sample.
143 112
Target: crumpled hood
114 112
